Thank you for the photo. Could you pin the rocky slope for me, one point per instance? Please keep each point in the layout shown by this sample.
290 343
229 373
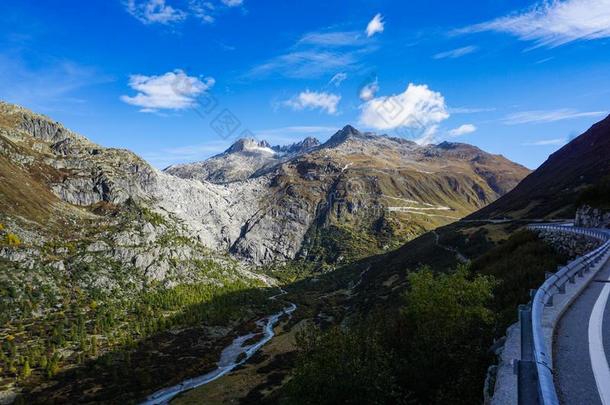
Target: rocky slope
90 261
359 193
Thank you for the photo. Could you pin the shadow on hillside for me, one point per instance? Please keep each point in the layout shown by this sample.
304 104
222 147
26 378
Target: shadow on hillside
130 373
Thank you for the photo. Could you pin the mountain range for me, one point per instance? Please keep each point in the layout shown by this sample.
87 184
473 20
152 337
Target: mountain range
258 203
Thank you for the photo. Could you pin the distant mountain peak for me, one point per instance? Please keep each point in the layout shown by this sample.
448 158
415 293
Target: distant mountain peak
347 132
303 146
250 145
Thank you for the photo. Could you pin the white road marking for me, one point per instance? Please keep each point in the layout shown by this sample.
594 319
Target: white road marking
599 361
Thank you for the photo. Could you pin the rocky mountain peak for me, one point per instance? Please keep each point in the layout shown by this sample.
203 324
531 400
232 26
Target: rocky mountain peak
343 135
250 145
458 149
303 146
309 142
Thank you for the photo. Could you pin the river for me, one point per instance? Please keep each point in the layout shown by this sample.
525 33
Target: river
232 356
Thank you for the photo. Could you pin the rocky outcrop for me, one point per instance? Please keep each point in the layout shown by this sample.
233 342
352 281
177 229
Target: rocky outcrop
589 217
569 244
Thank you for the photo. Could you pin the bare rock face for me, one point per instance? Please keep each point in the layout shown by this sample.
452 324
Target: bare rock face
589 217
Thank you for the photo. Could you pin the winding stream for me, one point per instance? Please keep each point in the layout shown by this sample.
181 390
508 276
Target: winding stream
228 358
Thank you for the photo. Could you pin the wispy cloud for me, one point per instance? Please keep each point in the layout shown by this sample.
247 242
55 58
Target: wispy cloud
311 100
316 54
154 11
232 3
183 154
306 64
456 53
554 23
547 142
462 130
47 85
172 90
203 10
469 110
543 116
161 12
375 26
337 79
332 39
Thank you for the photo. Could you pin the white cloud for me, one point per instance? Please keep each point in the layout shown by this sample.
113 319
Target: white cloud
232 3
428 135
154 11
369 91
376 25
172 90
418 108
456 53
547 142
541 116
312 100
463 130
554 23
338 79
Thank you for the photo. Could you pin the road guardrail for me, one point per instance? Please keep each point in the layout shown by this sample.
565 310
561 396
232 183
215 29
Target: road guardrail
535 369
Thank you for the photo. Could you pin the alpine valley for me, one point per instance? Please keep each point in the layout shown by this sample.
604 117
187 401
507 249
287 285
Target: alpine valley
119 280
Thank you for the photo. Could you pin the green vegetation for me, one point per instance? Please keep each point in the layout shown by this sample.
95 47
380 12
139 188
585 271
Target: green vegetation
344 366
84 308
338 244
8 238
152 217
519 264
596 196
89 322
429 351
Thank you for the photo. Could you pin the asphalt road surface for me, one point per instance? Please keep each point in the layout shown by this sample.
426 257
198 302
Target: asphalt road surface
582 346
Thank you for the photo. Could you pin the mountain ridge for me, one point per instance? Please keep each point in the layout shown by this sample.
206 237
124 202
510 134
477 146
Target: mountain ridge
551 190
386 189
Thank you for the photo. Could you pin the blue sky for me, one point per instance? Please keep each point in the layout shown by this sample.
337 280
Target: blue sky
180 80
